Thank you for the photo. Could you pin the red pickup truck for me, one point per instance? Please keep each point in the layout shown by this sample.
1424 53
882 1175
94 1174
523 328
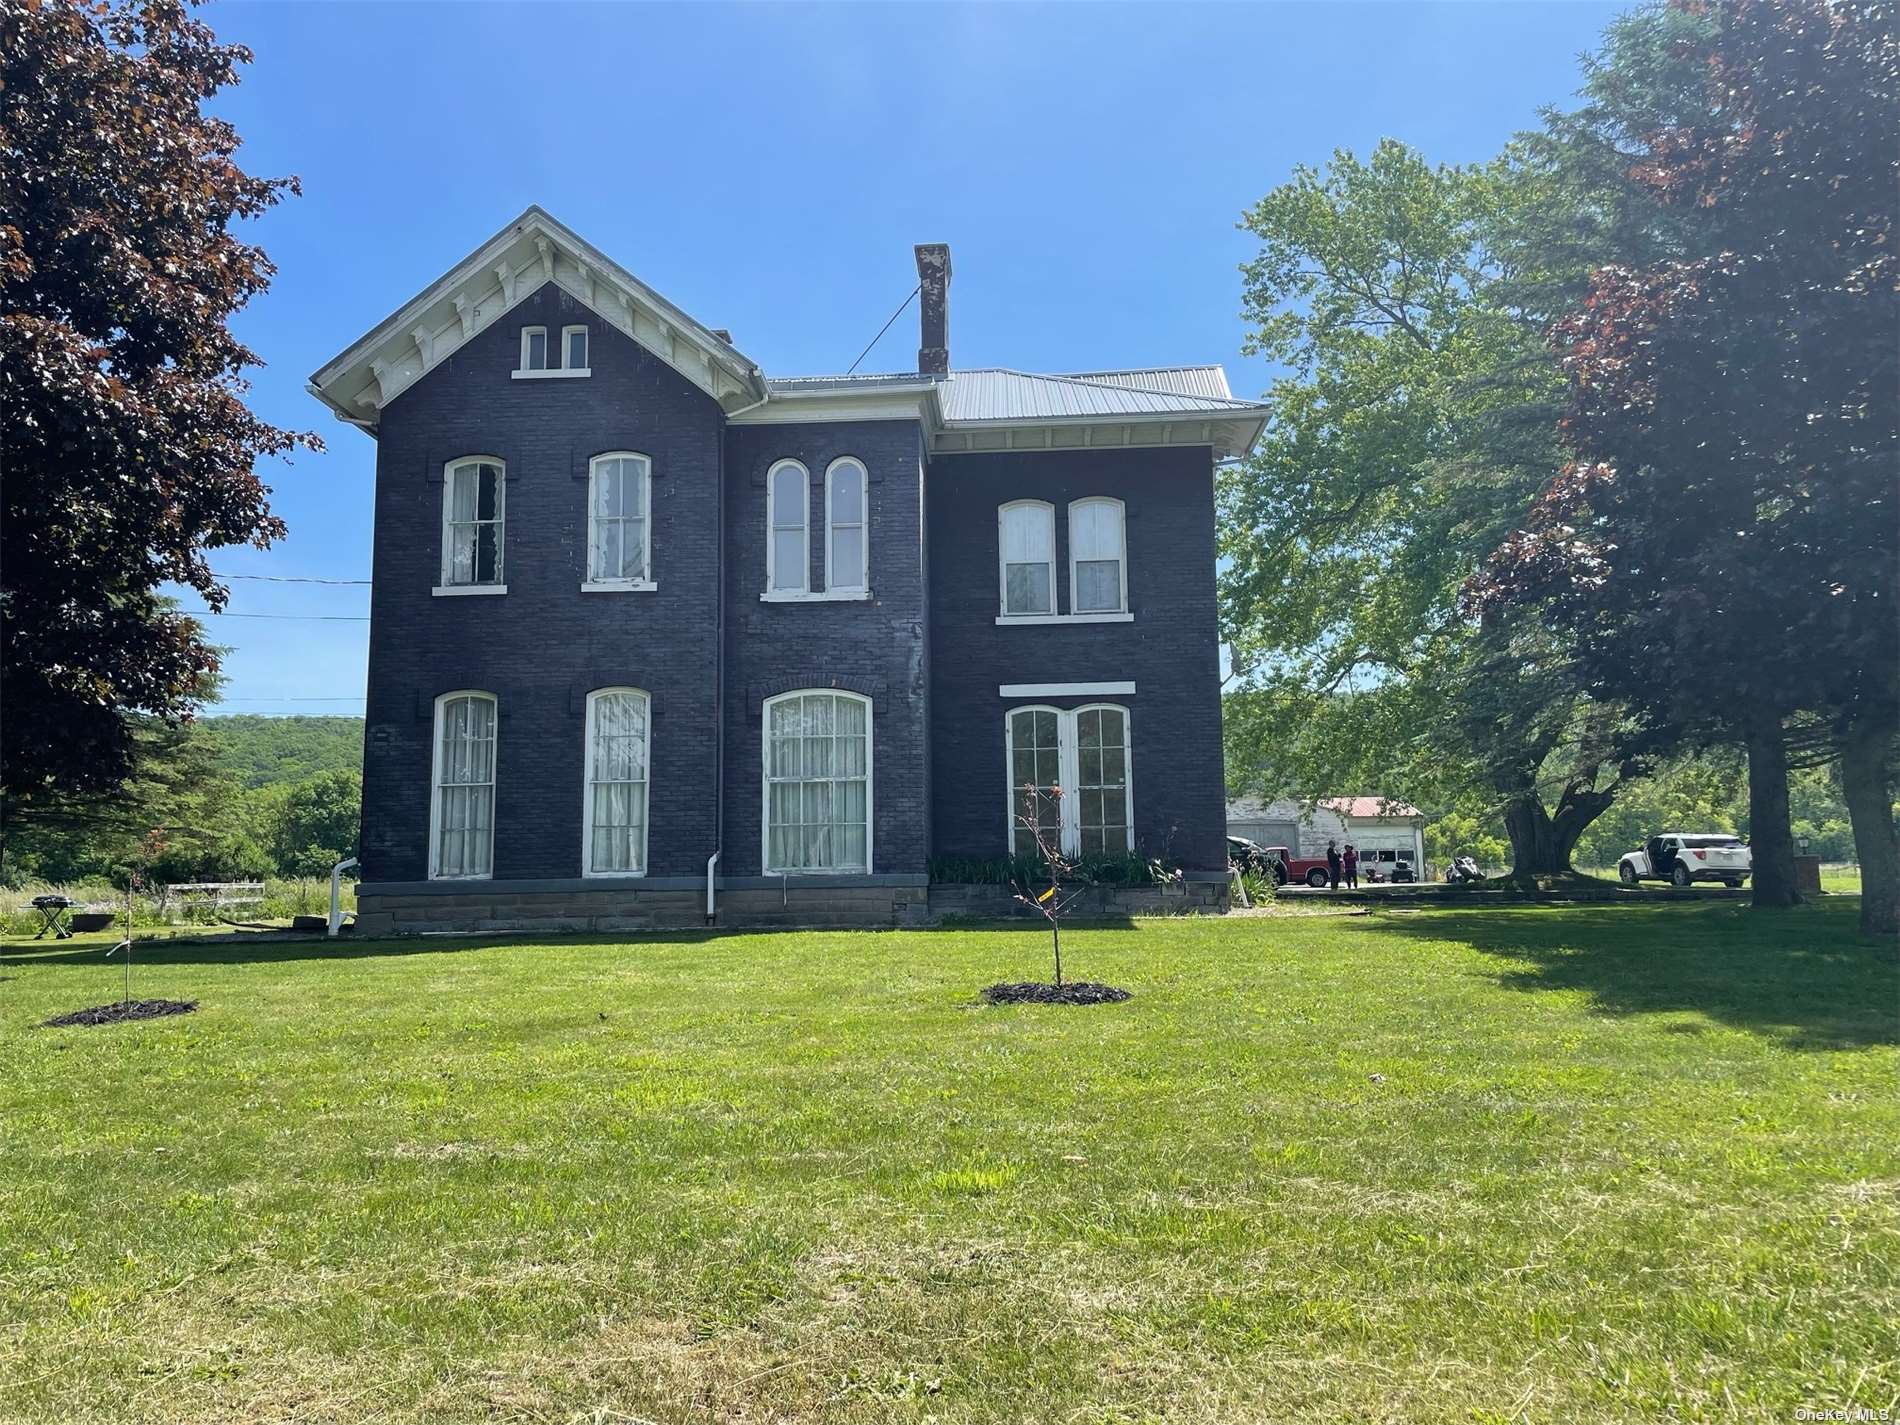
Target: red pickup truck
1285 866
1311 869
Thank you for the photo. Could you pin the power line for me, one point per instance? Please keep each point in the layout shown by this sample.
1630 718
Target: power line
288 578
222 701
307 618
886 327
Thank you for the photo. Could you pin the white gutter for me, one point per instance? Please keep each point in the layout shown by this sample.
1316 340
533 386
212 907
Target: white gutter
336 893
712 906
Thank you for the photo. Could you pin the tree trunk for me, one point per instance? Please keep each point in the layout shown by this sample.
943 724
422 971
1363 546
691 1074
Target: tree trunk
1541 844
1770 833
1867 774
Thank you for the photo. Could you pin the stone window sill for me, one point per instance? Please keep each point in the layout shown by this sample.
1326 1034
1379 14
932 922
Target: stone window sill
553 373
1063 618
827 596
618 586
444 591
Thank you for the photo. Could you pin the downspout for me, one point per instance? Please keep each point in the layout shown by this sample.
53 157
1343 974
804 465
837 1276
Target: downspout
336 893
719 678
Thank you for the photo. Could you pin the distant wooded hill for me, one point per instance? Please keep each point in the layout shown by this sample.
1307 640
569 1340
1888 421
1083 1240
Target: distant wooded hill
268 751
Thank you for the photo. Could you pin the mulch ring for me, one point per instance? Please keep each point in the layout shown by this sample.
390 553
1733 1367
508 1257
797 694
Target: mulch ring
122 1011
1034 992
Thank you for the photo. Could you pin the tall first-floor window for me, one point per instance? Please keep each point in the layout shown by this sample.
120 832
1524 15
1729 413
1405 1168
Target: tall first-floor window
615 812
1084 752
462 813
817 782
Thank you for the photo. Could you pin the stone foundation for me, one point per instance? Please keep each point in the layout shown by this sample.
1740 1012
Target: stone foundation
747 902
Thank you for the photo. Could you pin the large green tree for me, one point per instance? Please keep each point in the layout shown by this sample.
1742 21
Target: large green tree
1415 424
127 451
1722 539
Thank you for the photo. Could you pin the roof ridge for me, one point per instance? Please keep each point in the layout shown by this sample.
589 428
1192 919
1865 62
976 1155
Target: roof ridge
1116 386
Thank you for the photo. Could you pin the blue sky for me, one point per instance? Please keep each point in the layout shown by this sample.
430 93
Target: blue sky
768 169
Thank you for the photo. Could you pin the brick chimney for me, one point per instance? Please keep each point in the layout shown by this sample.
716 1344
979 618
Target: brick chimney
933 281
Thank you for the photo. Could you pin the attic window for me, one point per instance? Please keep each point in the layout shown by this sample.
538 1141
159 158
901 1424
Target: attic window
540 361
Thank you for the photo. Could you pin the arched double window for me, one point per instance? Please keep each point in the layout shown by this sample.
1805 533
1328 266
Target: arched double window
614 811
1084 752
462 802
619 520
817 781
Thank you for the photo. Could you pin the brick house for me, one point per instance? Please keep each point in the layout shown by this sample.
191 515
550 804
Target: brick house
656 638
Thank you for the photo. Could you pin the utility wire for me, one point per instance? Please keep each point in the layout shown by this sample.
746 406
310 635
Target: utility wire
287 578
222 701
886 327
307 618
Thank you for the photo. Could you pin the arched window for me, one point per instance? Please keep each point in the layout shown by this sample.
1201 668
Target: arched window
788 517
1098 564
619 520
462 807
474 505
1084 752
847 526
817 812
1026 548
1035 777
614 813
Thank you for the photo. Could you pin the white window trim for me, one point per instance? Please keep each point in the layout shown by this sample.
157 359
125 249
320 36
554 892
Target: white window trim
443 586
1064 690
863 525
521 366
552 373
1068 769
568 331
591 585
820 596
1121 557
1003 562
587 790
765 783
773 592
1036 619
435 785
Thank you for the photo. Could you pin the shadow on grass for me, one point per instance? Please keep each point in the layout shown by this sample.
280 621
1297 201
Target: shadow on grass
1804 975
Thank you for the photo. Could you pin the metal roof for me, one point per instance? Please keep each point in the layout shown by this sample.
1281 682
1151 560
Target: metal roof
1002 395
1180 380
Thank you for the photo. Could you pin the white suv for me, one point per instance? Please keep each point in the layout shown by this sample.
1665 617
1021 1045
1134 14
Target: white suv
1683 859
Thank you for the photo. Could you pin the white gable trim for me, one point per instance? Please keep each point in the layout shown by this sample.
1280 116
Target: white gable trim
497 277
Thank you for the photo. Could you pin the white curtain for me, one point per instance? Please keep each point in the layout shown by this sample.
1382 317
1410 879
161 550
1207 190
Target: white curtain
818 792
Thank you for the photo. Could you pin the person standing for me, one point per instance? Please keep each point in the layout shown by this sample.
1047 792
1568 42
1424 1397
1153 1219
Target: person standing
1332 864
1349 863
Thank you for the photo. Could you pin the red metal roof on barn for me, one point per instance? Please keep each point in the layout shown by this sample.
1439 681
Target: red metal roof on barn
1368 807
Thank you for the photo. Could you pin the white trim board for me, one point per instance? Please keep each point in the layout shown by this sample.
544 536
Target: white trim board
1062 690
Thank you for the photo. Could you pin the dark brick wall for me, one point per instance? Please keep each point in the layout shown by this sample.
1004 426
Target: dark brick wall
925 646
874 647
1171 650
541 646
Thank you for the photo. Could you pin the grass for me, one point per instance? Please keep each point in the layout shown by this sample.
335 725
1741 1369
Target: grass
1479 1166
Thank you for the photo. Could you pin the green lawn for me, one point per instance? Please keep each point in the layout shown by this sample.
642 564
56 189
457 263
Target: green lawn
1478 1166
